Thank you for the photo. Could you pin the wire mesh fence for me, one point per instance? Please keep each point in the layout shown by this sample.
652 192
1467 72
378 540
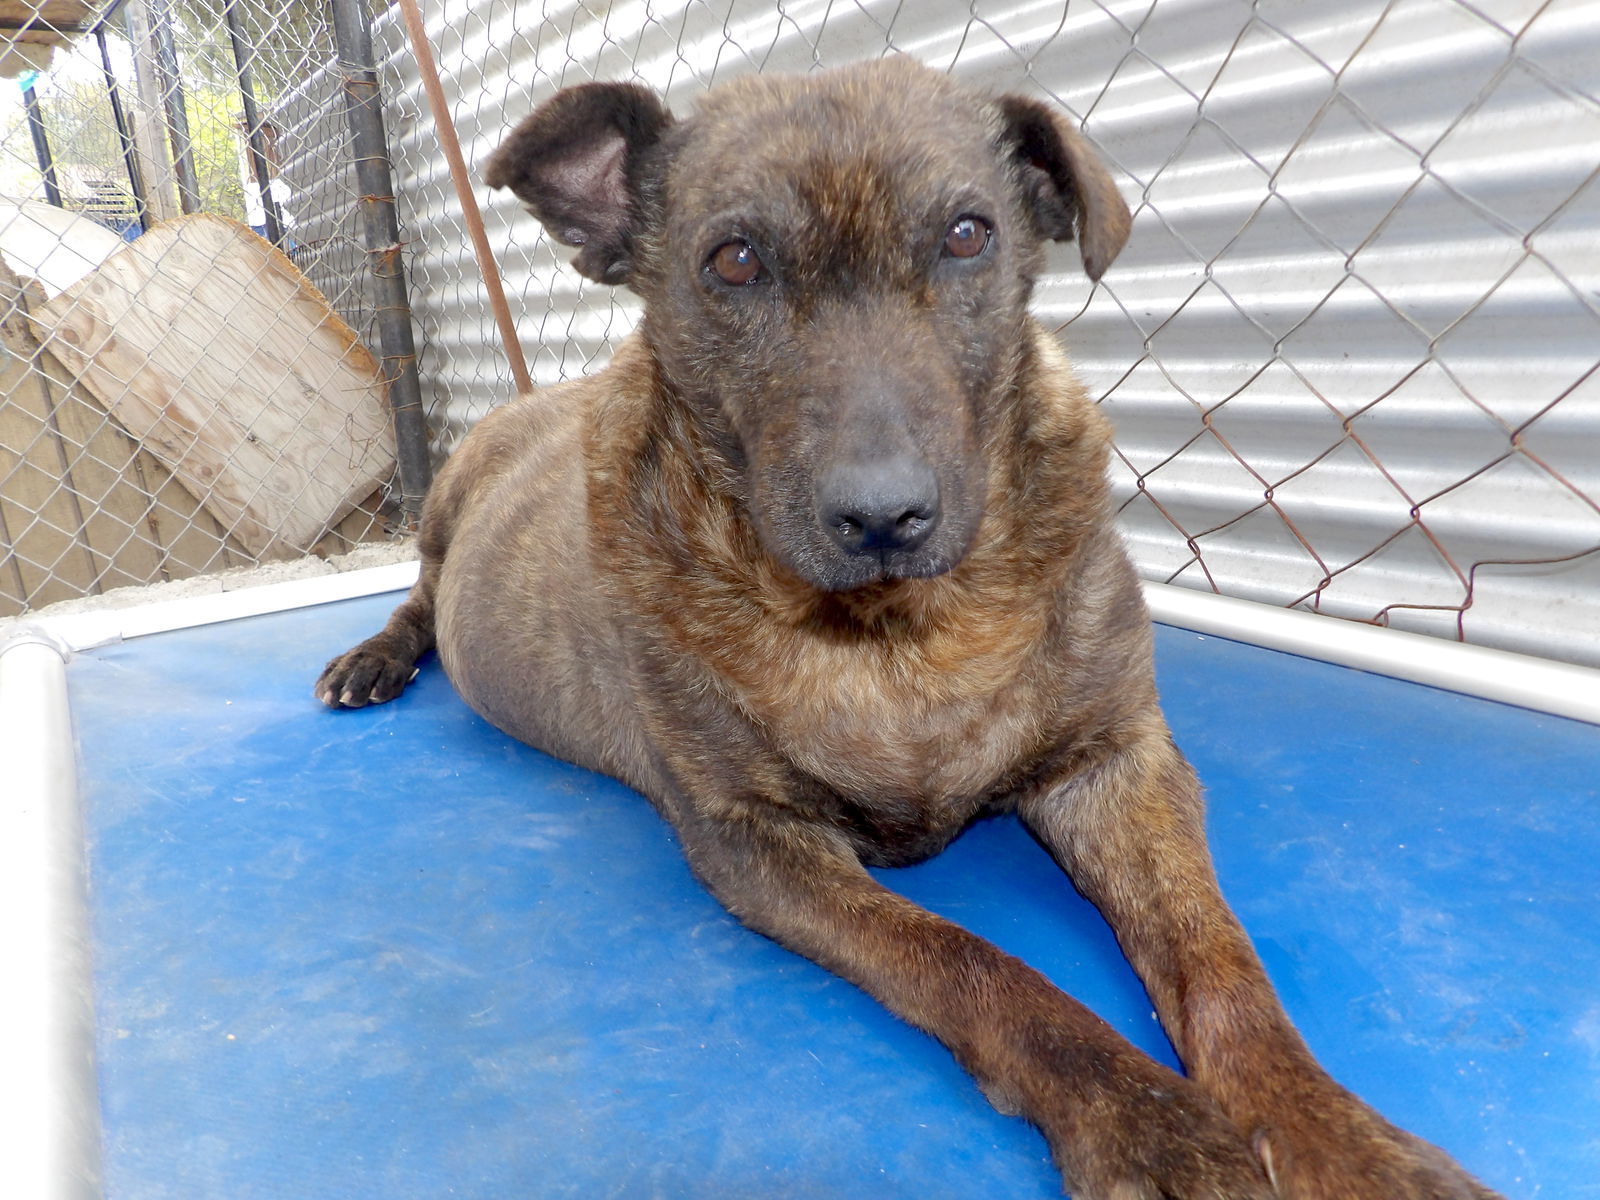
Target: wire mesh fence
1350 350
178 397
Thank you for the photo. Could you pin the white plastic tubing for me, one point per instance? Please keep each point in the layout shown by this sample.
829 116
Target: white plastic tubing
1528 682
49 1111
1520 679
50 1133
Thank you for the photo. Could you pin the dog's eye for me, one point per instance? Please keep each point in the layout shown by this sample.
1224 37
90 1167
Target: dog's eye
968 237
736 263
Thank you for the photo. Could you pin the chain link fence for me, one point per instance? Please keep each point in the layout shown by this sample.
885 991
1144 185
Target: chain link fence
179 398
1350 351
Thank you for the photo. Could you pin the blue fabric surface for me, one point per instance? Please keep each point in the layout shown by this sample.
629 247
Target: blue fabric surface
392 953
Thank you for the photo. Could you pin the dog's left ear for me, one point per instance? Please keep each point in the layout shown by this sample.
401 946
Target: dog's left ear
1065 187
577 164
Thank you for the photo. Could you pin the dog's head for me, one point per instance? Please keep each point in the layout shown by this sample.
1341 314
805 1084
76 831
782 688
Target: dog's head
836 269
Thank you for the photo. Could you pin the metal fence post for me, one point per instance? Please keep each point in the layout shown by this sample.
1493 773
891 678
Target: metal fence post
244 53
369 149
41 146
130 153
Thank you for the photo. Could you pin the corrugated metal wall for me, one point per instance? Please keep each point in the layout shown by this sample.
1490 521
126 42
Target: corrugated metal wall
1351 348
320 211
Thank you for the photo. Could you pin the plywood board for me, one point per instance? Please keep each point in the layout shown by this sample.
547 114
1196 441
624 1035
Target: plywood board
213 351
32 30
83 509
46 555
41 517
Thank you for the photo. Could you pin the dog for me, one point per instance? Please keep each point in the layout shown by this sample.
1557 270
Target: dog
823 563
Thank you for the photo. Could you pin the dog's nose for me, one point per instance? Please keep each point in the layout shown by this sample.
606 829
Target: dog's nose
879 505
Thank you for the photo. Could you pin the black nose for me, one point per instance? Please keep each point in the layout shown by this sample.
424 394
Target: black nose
879 505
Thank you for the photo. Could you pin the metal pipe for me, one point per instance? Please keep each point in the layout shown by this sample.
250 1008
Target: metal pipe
422 51
50 1139
244 53
1541 684
172 103
369 149
90 628
130 154
41 146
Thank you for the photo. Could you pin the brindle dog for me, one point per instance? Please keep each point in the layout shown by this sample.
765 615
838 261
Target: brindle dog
823 563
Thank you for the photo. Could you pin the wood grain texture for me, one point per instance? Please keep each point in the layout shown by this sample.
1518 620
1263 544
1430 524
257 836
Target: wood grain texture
212 350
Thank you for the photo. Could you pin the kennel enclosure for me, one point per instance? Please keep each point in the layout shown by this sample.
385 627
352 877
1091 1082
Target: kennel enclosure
1351 354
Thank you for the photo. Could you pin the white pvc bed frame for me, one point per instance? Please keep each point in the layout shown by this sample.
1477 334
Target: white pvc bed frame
49 1108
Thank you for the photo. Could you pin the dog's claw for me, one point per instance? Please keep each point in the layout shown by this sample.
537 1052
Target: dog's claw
364 676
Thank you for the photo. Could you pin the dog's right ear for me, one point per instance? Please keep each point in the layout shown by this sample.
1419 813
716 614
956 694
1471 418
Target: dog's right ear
576 164
1067 189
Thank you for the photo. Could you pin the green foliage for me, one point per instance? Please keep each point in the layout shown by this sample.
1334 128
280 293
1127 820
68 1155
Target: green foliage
289 38
215 129
86 148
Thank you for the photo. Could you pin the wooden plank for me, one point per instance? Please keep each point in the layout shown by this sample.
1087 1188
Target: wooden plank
41 517
192 540
370 521
214 352
95 511
95 459
147 115
143 517
13 595
47 558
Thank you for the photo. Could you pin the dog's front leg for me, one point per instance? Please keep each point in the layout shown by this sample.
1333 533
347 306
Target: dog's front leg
1130 832
378 670
1121 1126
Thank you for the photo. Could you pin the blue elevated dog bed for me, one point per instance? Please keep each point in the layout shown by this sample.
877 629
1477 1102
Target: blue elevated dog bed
392 953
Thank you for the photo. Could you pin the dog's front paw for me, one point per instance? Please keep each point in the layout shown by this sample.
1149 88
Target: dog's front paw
369 674
1331 1146
1160 1137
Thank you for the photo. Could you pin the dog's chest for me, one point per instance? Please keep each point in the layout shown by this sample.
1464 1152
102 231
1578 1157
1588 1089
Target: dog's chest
920 745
